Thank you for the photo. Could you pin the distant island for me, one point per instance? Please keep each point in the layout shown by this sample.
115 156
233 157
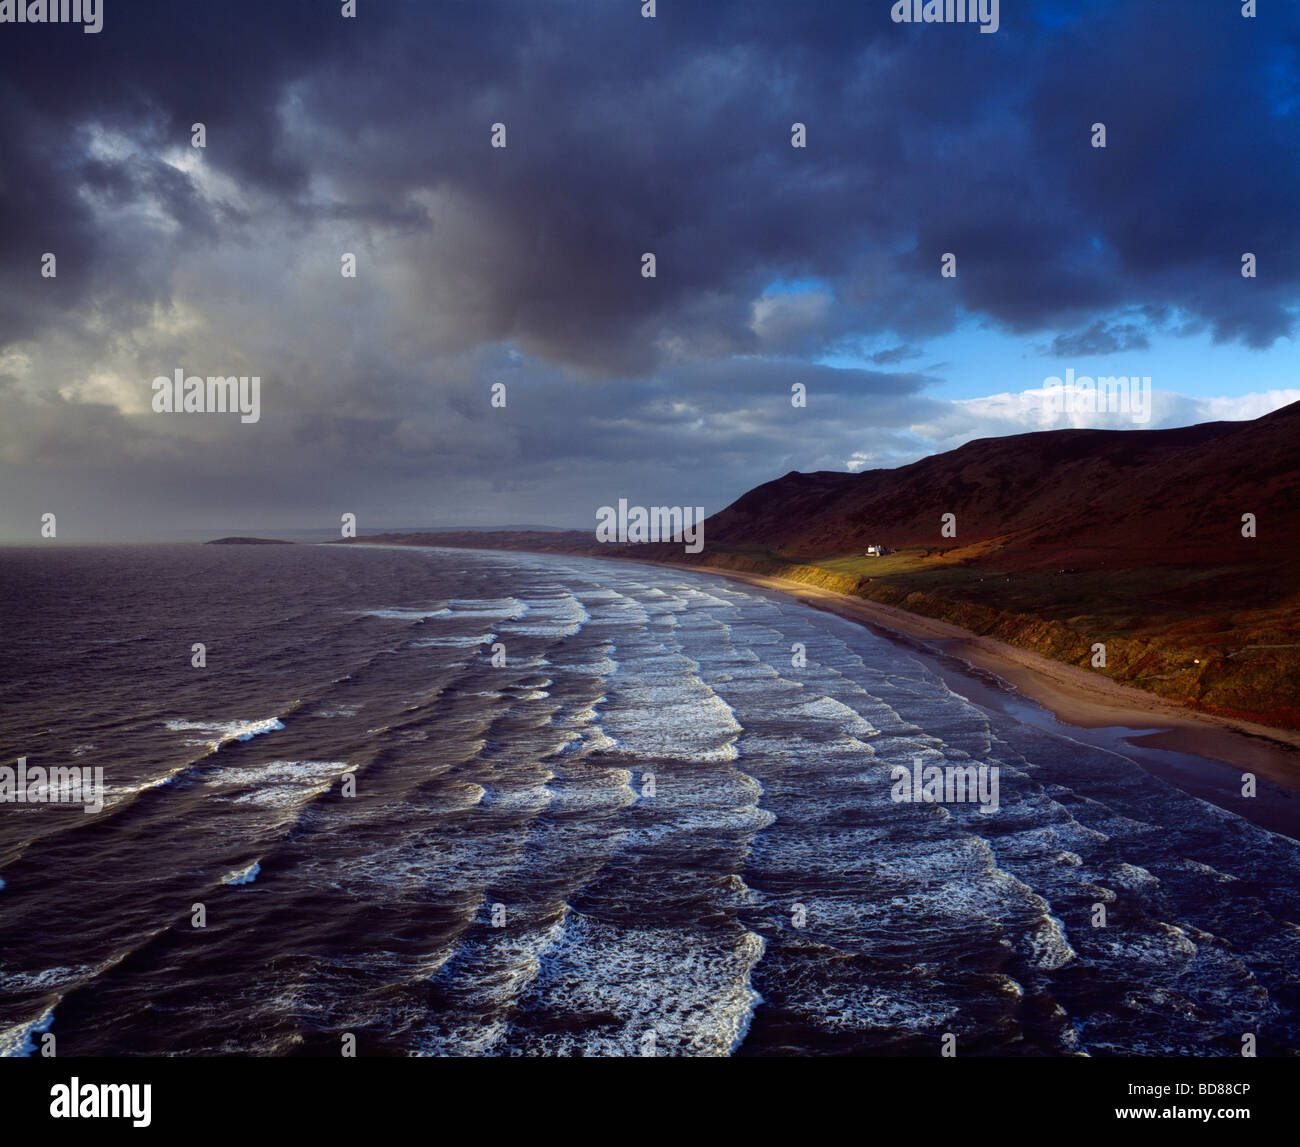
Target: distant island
248 542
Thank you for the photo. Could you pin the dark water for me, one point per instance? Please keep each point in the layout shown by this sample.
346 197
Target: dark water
522 790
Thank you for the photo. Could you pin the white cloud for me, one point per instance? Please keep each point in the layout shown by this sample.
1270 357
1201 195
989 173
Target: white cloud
953 423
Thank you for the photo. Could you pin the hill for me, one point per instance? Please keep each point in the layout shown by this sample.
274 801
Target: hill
1067 496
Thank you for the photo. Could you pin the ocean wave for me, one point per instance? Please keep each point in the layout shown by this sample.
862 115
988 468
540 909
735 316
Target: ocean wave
307 774
563 617
245 875
504 608
455 642
220 733
402 613
641 991
16 1042
681 719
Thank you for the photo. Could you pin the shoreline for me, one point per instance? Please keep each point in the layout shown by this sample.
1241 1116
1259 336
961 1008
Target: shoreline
1073 696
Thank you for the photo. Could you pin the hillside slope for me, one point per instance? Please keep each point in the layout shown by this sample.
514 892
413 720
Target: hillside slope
1082 497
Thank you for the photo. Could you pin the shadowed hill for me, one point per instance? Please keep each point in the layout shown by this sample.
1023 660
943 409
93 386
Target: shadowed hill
1079 497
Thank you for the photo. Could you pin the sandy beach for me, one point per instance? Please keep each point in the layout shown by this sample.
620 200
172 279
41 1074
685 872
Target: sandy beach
1072 695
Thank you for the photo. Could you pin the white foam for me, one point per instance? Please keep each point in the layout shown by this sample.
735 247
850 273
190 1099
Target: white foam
16 1042
219 733
1049 949
561 617
456 642
828 709
281 784
399 613
499 972
245 875
691 989
505 608
339 711
49 979
601 667
681 719
115 794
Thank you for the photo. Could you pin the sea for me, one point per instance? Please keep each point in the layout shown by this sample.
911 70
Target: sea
443 802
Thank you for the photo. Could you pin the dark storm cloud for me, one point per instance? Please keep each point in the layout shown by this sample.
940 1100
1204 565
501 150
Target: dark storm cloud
1100 338
671 135
154 69
895 354
625 135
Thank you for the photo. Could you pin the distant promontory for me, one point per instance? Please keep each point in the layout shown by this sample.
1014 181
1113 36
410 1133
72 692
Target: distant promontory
248 542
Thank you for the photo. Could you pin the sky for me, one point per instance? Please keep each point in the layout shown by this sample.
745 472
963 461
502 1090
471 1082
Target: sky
523 265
